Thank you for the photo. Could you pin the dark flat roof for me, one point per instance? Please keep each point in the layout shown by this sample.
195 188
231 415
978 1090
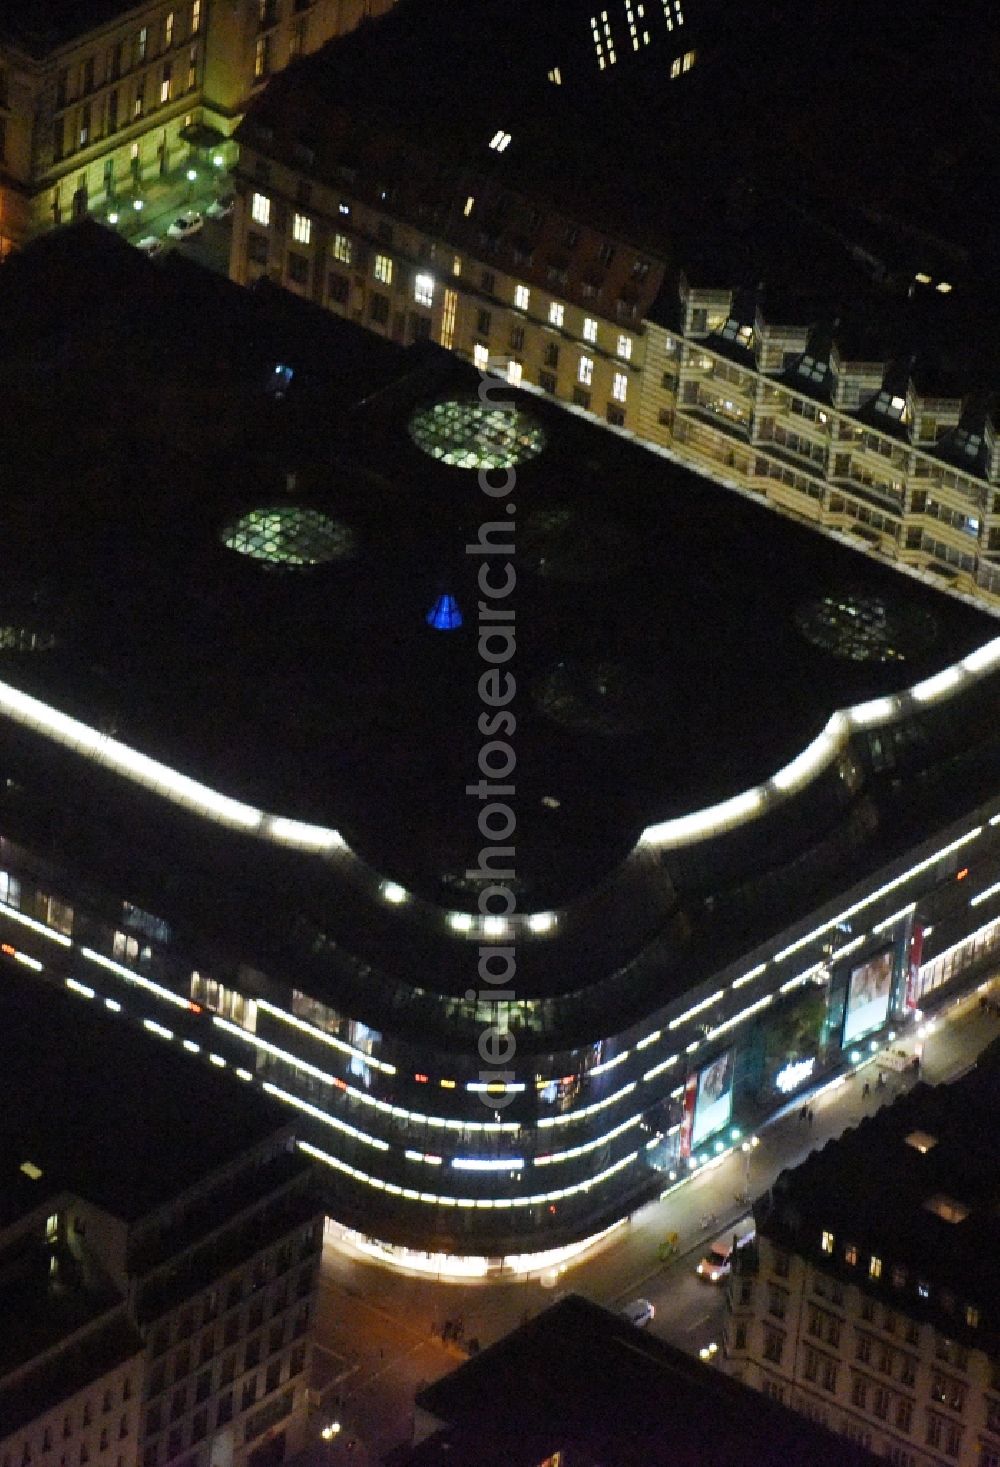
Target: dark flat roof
108 1112
42 25
936 1152
579 1379
660 665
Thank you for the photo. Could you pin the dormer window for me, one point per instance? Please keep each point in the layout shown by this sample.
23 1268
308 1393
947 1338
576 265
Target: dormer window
812 369
968 443
891 405
737 331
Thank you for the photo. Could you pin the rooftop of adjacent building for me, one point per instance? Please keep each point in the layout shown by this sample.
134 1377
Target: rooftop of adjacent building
41 26
54 1363
95 1108
581 1380
779 159
936 1153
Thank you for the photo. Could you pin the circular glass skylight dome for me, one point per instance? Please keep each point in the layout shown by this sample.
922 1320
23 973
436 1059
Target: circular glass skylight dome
289 535
472 435
564 543
589 697
866 628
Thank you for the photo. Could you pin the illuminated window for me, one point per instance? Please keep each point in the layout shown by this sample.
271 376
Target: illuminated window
522 297
590 330
192 68
470 204
260 209
456 265
342 249
383 269
675 67
423 290
168 30
52 1227
481 356
449 312
470 435
585 371
875 1267
141 44
165 83
555 76
301 228
971 1315
689 59
619 388
515 372
262 57
851 1255
625 348
557 313
826 1242
500 141
195 16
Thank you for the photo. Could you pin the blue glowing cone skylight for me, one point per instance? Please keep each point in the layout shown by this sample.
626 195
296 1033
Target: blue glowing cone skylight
444 615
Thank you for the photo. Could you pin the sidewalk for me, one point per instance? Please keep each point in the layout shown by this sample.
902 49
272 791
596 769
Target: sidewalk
163 198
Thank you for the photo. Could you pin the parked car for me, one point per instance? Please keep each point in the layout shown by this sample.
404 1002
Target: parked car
640 1313
186 225
150 246
222 207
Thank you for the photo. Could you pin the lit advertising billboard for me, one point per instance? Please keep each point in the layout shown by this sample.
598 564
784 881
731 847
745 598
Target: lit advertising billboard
868 995
714 1100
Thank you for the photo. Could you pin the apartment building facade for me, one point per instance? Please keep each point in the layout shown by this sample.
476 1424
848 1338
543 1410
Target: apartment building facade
174 1266
603 300
88 115
880 1325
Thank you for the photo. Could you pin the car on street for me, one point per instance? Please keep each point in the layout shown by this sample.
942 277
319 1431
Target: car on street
185 226
150 245
640 1313
222 207
716 1265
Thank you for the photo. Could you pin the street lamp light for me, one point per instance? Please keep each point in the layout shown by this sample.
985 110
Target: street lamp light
330 1431
137 205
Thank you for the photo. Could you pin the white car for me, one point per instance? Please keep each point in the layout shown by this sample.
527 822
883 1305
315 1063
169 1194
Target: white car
716 1265
186 225
221 208
640 1313
150 246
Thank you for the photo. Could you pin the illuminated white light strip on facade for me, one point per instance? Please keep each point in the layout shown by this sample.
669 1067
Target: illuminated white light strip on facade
982 896
884 924
584 1147
849 947
588 1110
159 1029
801 978
139 979
748 977
610 1064
495 1087
331 1039
324 1116
27 961
424 1156
716 819
435 1199
928 861
706 1003
199 799
381 1105
487 1164
663 1065
973 937
649 1039
81 988
40 927
753 1008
